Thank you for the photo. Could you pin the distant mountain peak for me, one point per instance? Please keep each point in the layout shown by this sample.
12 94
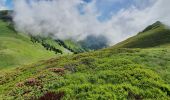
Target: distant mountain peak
154 35
153 26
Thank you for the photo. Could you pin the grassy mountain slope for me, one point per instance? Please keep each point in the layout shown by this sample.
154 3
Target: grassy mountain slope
74 47
112 73
105 74
89 43
16 49
157 34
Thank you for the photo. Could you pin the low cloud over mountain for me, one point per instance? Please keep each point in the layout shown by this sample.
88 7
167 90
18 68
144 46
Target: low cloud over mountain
76 19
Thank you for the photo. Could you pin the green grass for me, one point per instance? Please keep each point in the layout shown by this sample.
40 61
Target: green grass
155 35
114 73
17 49
76 47
105 74
51 42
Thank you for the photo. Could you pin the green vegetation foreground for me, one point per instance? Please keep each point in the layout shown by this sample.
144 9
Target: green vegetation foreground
109 74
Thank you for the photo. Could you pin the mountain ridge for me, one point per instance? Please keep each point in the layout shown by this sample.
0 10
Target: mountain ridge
154 35
24 48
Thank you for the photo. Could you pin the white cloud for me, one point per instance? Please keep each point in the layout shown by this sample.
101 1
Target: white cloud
130 21
61 19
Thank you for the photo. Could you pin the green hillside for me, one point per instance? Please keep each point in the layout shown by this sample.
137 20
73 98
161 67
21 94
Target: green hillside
154 35
108 74
17 49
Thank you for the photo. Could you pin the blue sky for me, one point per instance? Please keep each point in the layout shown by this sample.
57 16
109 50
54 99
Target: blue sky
9 4
110 7
106 7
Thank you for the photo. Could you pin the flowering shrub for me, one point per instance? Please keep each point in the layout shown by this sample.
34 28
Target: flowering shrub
60 71
32 82
52 96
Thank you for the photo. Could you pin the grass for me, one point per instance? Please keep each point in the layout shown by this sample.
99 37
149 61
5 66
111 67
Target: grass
109 73
114 73
17 49
74 46
155 35
49 41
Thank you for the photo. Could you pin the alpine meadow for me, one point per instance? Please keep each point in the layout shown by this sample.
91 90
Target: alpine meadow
84 50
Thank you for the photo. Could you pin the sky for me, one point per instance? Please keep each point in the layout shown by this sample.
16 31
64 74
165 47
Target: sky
6 4
77 19
106 7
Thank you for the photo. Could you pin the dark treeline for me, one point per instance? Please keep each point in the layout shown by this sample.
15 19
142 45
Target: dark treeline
6 15
61 43
41 40
45 45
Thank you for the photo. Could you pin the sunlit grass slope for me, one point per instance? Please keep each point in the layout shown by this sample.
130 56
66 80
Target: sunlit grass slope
17 49
108 74
157 34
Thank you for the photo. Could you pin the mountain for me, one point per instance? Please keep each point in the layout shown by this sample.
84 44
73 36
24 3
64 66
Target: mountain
131 70
154 35
94 42
17 48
